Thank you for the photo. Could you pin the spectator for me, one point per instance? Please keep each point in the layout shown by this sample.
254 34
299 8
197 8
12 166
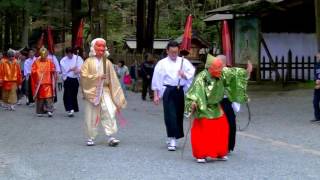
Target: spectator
122 71
147 69
134 75
316 94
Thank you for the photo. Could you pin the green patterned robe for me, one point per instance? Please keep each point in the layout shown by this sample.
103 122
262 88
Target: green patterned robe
207 92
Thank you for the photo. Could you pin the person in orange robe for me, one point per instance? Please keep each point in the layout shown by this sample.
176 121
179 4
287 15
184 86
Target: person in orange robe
43 78
10 79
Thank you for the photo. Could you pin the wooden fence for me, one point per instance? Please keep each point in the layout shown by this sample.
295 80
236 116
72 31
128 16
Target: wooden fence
283 68
288 68
129 59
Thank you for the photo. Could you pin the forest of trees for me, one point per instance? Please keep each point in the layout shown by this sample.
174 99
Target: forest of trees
22 21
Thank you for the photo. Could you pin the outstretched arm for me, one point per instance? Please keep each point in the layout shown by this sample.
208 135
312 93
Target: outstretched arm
249 69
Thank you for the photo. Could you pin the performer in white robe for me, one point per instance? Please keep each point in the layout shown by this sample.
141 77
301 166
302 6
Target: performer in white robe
70 66
27 74
102 92
171 79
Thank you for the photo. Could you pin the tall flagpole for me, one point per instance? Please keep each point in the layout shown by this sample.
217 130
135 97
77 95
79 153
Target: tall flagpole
186 43
184 50
51 51
181 66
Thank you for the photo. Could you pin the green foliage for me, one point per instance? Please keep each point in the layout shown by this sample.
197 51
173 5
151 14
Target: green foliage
173 15
19 5
119 16
4 4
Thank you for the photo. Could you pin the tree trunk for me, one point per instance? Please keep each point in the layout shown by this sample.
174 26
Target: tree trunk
7 31
157 18
150 25
90 18
14 31
63 32
140 25
76 18
1 32
192 8
25 31
204 7
104 20
95 19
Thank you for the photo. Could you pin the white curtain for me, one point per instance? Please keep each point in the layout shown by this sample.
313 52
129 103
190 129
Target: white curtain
301 44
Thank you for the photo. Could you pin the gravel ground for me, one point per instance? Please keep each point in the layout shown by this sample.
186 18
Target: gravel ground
280 143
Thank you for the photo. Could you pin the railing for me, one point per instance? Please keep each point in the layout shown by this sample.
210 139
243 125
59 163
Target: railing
129 58
288 68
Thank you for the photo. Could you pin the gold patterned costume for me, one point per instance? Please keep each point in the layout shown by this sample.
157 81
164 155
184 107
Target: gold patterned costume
102 97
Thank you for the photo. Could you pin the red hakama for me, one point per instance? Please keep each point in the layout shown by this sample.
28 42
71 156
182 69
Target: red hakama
209 137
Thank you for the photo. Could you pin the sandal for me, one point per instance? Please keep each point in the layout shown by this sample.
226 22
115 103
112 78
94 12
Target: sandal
90 142
113 142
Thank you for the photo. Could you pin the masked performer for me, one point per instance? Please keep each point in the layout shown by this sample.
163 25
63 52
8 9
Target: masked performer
43 79
210 130
102 92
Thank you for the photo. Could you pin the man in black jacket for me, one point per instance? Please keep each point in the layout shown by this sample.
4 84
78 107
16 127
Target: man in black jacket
316 94
147 68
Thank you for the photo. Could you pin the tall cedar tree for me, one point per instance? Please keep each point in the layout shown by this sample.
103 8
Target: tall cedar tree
76 18
140 35
150 25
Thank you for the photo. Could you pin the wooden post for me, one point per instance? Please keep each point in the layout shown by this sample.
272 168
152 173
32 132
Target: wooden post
275 68
282 70
317 14
309 68
263 68
258 75
272 63
269 69
297 68
289 66
302 68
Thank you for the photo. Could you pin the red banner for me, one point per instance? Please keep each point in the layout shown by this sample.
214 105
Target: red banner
185 46
50 40
226 43
40 41
78 43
